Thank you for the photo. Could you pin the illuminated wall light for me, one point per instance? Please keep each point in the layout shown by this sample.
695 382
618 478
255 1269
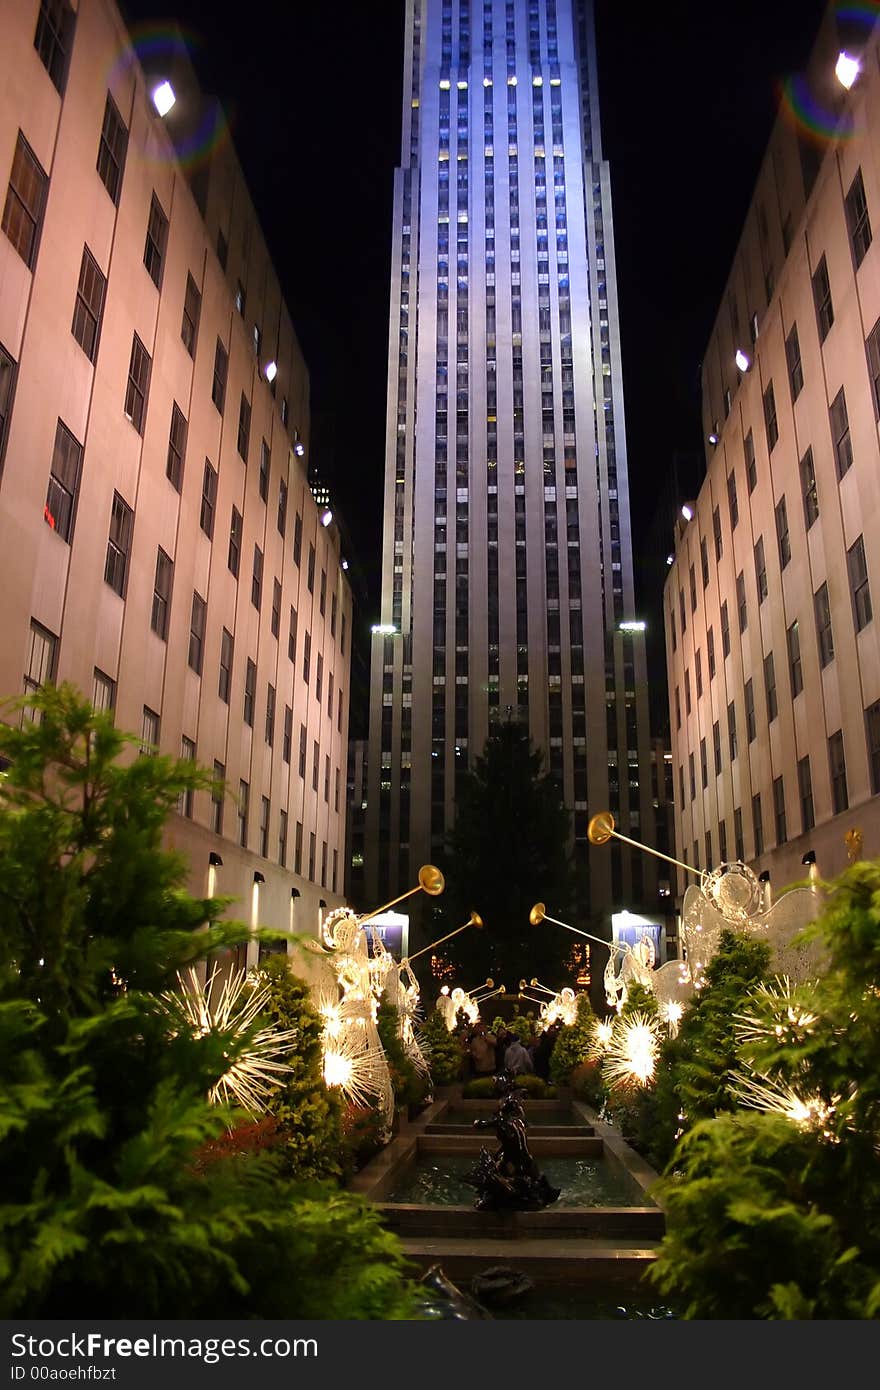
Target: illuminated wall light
670 559
713 438
846 69
487 82
687 513
462 86
163 98
345 564
383 629
742 360
511 81
326 517
537 81
444 84
634 625
271 370
299 448
555 81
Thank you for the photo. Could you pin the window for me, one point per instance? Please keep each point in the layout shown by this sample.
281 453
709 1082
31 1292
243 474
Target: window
41 659
704 765
327 779
297 539
244 796
187 796
319 678
138 384
824 634
698 664
307 656
751 465
270 715
217 797
805 792
222 248
738 842
7 380
837 764
716 746
682 612
795 366
316 763
89 305
333 607
298 848
310 575
840 434
779 810
162 594
218 384
741 607
725 630
704 562
872 734
197 633
287 737
282 838
25 200
235 531
176 447
731 729
157 239
192 309
209 503
226 650
710 651
244 426
716 532
111 150
291 635
282 506
692 781
757 824
857 220
64 476
257 578
54 38
760 570
722 841
276 607
322 593
860 592
302 751
103 692
149 733
822 300
795 669
808 489
250 692
770 687
265 464
240 297
731 500
751 723
782 537
770 421
339 711
118 545
677 708
687 691
312 855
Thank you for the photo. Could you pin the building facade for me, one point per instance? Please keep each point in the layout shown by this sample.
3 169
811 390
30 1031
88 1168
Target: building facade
772 641
159 545
507 566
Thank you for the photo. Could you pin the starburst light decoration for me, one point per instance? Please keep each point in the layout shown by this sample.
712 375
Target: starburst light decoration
807 1109
600 1041
781 1014
631 1056
230 1008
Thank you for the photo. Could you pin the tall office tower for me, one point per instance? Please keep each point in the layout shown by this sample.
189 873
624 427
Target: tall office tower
507 567
159 545
773 646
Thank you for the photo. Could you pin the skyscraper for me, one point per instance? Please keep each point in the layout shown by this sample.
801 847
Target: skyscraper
507 564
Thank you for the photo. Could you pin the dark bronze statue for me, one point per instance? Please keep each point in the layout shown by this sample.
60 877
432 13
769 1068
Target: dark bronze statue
509 1179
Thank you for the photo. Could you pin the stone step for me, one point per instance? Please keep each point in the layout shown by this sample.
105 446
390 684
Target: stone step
564 1145
535 1131
605 1261
559 1226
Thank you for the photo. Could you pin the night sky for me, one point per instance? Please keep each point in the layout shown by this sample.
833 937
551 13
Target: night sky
687 95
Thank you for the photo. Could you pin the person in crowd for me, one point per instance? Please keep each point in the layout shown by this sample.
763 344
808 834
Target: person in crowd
482 1050
543 1051
517 1058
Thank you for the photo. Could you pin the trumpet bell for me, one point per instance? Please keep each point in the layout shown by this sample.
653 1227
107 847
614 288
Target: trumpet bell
431 880
600 828
536 916
476 920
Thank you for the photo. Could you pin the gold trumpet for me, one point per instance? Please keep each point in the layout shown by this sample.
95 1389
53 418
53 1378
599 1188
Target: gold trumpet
431 881
540 914
601 829
475 920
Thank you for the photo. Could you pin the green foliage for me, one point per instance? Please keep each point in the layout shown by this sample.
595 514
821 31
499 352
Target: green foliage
521 1027
441 1048
115 1197
508 847
776 1217
639 1000
307 1111
483 1087
573 1043
363 1131
409 1087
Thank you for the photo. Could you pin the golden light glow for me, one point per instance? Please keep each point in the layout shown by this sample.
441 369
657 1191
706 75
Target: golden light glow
779 1015
631 1058
807 1110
